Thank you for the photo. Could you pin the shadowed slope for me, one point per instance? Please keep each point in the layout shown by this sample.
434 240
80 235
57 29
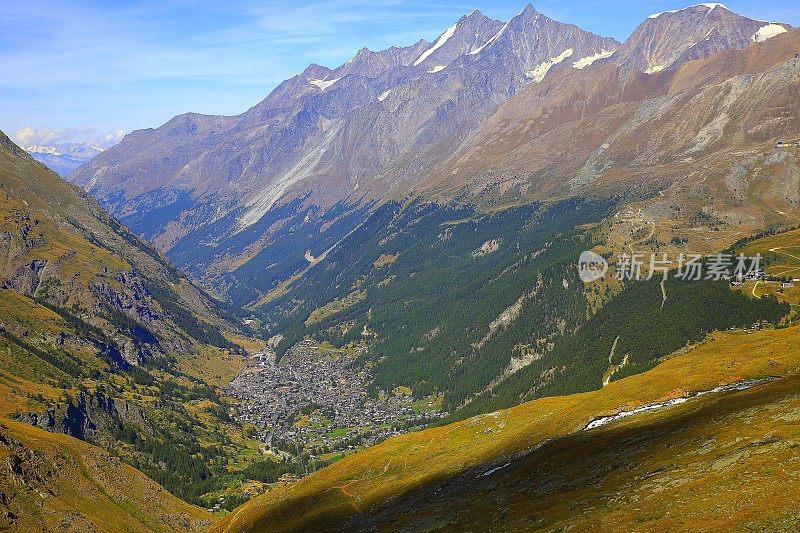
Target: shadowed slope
364 482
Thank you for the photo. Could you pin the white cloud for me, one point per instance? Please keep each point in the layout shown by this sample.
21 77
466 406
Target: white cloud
111 138
30 136
88 134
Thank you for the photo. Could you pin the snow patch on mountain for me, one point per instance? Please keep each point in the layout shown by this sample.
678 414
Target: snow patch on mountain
36 149
541 71
437 68
654 69
490 41
323 84
383 95
646 408
443 38
768 32
588 60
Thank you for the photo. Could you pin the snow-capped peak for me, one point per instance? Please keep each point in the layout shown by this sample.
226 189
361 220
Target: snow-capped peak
443 38
38 149
711 6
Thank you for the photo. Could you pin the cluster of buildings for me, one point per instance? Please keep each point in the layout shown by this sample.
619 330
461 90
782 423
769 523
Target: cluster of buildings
315 399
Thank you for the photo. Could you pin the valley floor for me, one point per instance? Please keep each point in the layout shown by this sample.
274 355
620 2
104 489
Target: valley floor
695 465
315 400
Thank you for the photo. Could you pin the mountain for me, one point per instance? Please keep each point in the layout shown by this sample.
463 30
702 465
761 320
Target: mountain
672 38
417 214
372 130
350 133
482 182
602 129
60 247
108 354
56 481
63 158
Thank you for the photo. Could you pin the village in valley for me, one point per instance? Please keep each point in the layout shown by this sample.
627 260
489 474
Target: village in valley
315 401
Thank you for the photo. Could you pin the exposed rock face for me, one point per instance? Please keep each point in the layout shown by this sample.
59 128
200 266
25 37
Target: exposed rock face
27 278
89 417
59 247
666 40
22 470
133 301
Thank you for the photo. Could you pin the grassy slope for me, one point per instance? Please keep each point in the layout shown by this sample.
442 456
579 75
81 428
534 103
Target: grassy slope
696 467
64 482
50 355
400 465
43 218
29 383
780 259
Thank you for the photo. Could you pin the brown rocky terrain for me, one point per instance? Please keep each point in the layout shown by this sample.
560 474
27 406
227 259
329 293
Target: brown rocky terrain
604 130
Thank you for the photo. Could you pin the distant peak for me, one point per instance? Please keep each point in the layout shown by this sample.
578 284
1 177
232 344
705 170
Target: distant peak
362 53
316 71
711 6
473 15
526 15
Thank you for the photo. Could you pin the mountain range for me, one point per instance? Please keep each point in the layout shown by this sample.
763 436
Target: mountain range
285 209
399 123
63 157
421 209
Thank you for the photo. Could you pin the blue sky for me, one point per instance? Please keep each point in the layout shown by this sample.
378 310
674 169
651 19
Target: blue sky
90 70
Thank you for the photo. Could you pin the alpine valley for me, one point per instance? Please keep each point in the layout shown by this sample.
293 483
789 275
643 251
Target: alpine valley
357 306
